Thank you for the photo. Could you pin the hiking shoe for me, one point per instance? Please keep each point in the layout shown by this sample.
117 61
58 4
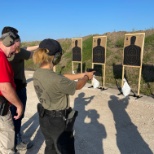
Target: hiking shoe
24 146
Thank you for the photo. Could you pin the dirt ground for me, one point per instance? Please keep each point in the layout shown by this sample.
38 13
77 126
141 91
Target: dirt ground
107 123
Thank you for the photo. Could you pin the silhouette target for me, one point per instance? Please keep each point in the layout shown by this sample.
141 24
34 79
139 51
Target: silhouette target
98 53
76 52
132 53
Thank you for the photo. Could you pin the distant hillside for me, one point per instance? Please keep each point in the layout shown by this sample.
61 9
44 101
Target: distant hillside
115 43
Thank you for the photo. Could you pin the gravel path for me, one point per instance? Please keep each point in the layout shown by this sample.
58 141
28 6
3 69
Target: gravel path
107 123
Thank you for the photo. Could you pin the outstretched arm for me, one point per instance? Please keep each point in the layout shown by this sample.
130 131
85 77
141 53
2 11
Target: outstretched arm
32 48
74 76
79 75
81 82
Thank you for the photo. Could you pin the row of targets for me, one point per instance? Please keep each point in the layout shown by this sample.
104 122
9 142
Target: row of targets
132 53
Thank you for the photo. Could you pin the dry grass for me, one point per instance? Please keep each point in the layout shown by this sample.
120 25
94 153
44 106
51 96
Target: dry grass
113 60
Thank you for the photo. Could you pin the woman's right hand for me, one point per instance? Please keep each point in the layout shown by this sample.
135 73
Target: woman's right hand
90 74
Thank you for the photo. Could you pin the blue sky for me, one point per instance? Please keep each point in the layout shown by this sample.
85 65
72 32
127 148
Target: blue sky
40 19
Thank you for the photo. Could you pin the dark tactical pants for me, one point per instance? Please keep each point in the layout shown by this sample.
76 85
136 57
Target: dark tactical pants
22 94
58 139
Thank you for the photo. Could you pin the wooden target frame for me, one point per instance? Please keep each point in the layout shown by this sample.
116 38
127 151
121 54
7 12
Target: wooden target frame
133 54
99 54
77 52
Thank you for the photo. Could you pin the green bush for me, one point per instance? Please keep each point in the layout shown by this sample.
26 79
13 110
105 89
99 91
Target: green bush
119 43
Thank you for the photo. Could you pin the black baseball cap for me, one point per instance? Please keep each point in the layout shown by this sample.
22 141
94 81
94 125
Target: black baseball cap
52 45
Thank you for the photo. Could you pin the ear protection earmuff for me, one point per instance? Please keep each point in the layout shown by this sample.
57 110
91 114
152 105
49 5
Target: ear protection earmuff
57 58
8 38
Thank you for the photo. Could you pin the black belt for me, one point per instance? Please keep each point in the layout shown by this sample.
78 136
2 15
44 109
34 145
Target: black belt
54 113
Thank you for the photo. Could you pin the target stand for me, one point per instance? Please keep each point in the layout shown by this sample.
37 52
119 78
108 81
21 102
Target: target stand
77 53
54 68
132 56
99 56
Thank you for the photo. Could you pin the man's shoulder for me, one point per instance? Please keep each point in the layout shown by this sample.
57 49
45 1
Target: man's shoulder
23 54
1 52
23 50
2 55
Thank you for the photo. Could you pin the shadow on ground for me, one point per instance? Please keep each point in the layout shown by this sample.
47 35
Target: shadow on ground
128 138
31 129
92 131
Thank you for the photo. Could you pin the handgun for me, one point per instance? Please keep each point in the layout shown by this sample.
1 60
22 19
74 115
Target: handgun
90 69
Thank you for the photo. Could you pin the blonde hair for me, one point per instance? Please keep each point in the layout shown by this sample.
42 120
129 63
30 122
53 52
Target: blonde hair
40 56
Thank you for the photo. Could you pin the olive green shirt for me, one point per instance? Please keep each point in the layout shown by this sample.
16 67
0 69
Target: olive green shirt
53 89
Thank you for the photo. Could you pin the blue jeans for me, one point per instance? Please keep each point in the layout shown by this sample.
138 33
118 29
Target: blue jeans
22 94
